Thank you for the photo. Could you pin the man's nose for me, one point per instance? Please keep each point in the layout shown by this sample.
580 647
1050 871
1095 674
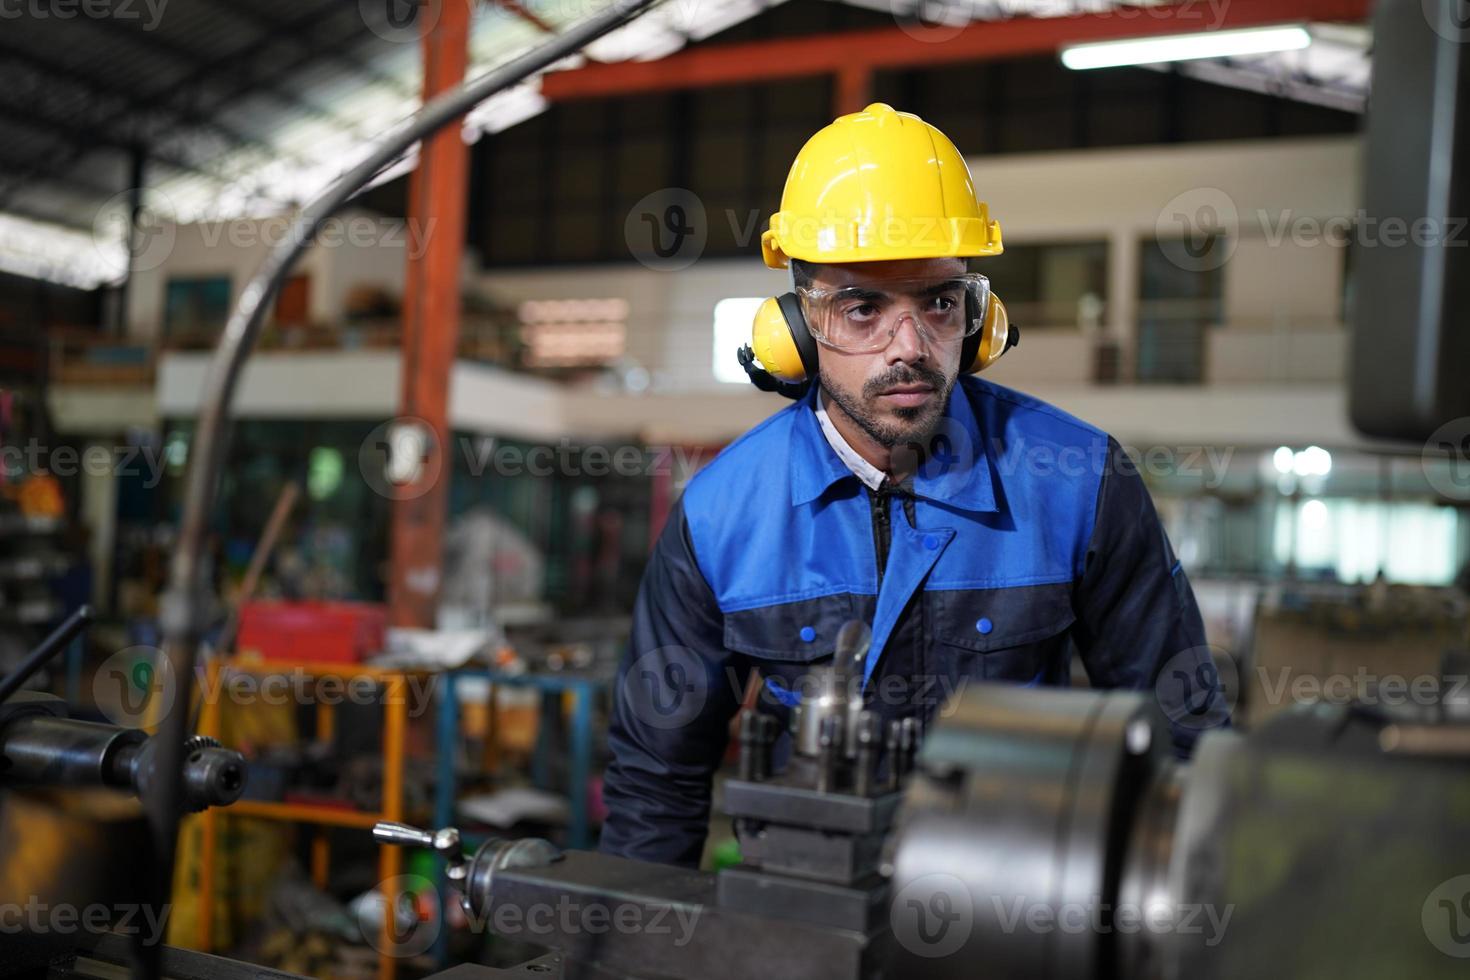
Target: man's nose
907 346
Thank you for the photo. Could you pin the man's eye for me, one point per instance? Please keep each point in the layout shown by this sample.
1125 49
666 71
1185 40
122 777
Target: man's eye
944 304
862 311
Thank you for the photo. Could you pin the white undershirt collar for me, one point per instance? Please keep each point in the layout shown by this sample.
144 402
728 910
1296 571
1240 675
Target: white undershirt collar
870 475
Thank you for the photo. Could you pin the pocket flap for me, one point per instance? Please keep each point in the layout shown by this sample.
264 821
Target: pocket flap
792 632
994 619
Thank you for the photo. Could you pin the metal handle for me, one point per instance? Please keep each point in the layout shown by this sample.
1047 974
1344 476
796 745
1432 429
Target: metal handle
389 832
446 842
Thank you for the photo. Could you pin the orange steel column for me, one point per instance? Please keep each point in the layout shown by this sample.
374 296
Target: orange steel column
438 199
852 89
390 857
209 724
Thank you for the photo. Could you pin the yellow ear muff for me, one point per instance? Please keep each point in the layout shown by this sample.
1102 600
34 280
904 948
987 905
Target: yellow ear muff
773 345
995 336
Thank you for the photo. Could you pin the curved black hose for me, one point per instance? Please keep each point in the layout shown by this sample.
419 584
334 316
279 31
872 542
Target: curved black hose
184 610
50 647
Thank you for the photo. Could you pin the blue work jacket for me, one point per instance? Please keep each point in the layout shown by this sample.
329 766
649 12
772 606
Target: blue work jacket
1026 535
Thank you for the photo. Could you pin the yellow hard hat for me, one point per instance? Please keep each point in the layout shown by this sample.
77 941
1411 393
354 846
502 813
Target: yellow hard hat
879 184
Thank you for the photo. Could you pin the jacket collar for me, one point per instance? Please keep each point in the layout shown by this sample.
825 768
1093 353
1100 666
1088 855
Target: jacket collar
957 475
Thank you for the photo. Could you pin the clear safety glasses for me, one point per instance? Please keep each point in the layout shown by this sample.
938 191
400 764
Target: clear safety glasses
863 317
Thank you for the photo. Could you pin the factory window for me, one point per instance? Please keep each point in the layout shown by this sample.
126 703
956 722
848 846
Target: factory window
195 309
733 318
1411 543
1181 295
1059 284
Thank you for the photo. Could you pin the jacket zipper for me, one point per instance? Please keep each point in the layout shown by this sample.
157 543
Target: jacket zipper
882 532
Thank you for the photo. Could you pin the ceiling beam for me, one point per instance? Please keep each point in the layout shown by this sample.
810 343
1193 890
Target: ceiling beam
332 52
101 97
242 66
72 136
899 47
530 17
151 44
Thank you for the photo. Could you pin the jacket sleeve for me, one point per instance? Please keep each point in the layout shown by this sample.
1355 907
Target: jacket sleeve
676 691
1138 625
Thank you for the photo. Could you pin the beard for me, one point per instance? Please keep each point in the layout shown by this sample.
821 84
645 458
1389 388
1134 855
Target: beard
909 426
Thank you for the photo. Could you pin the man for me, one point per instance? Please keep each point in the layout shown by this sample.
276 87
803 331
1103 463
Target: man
983 534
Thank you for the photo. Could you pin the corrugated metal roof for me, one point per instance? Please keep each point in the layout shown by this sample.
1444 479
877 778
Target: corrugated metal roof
253 106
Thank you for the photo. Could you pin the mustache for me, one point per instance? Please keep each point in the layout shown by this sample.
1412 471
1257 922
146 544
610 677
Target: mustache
904 374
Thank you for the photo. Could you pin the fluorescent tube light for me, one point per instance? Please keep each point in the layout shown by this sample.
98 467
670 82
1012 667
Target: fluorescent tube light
1185 47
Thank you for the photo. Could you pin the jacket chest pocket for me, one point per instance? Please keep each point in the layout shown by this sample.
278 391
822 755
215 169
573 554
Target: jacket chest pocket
788 642
1014 635
794 632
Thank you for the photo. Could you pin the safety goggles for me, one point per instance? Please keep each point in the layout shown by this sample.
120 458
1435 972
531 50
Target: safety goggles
864 317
